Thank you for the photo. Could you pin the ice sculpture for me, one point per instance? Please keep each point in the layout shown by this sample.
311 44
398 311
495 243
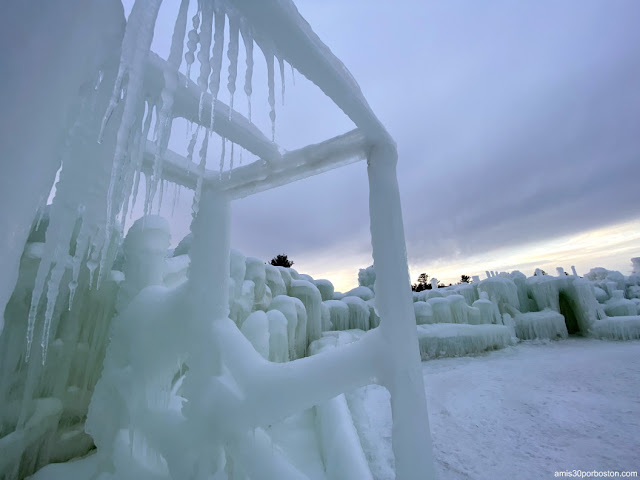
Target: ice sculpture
231 390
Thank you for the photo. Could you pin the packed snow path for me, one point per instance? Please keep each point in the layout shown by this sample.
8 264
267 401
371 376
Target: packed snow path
521 413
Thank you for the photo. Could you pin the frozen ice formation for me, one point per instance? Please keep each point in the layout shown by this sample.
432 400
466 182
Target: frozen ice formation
207 363
182 365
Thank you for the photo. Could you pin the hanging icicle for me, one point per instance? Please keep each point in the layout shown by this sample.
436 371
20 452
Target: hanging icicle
281 63
248 45
231 159
132 63
140 152
192 42
268 55
222 155
201 173
216 58
165 118
232 54
206 31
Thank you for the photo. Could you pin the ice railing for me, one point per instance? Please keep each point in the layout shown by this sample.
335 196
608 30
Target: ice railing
387 355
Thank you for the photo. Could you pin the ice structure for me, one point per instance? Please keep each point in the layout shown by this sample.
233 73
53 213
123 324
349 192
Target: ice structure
194 380
603 304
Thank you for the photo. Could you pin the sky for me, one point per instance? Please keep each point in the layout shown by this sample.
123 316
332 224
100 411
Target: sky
517 125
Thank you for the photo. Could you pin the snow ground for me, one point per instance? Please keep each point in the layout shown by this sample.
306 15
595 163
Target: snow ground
522 413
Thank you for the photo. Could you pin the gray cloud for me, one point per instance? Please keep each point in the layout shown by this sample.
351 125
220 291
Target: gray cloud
515 122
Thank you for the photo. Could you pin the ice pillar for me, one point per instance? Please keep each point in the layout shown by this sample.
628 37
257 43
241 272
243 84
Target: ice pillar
403 372
208 283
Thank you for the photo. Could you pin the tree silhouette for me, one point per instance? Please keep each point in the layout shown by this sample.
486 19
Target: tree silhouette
423 283
281 261
465 278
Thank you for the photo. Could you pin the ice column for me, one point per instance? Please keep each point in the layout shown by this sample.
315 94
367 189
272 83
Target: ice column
394 304
208 278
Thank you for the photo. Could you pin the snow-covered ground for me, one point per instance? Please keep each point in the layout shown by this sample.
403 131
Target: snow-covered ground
522 413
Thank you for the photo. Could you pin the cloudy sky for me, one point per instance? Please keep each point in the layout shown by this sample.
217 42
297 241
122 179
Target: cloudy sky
518 131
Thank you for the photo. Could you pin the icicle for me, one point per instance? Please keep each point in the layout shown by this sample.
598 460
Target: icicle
216 58
165 118
231 159
248 45
232 54
127 58
140 153
40 213
206 30
281 62
135 68
201 172
192 43
163 186
293 76
99 79
82 243
192 145
268 55
241 150
176 197
58 238
36 294
53 287
224 146
92 263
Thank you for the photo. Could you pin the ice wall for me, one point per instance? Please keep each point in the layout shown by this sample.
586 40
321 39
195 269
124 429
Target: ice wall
61 47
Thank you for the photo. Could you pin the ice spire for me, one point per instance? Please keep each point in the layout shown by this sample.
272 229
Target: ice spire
248 45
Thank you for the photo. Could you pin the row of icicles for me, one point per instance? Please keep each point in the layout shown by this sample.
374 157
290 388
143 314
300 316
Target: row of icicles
204 41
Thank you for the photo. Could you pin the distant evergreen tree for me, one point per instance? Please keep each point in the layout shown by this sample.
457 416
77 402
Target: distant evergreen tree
423 283
281 261
465 278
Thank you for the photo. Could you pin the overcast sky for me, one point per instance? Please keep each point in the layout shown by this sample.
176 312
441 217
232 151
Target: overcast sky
518 131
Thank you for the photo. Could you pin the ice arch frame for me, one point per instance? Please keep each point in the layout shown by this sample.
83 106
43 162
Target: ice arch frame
390 353
397 364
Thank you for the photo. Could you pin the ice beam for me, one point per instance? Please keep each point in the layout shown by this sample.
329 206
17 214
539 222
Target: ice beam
261 175
232 126
296 42
296 165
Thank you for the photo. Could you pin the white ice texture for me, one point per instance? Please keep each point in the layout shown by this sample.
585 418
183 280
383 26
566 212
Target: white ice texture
207 363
